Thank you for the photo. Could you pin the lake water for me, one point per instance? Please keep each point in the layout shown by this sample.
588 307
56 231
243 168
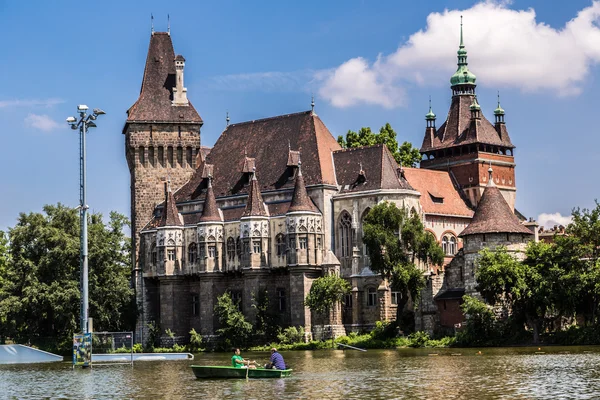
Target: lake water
505 373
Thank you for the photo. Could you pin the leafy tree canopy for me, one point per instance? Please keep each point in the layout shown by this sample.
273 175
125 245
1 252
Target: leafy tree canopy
39 297
234 329
395 242
404 154
325 292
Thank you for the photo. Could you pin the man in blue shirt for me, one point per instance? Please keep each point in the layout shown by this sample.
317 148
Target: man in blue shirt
276 361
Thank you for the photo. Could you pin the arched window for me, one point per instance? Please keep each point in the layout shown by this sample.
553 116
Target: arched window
452 245
280 243
445 244
345 234
153 254
192 253
230 249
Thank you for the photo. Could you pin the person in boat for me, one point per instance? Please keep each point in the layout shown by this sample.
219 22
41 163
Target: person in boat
238 362
276 361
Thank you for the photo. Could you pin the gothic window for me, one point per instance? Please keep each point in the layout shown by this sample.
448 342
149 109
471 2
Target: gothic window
202 252
303 242
212 251
292 243
445 244
192 252
280 243
256 246
319 242
452 245
230 249
246 246
449 244
142 156
188 156
153 256
195 305
372 297
161 254
171 254
281 299
238 247
346 234
366 259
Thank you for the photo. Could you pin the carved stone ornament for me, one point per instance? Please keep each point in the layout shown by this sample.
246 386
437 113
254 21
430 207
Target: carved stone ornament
201 233
265 228
318 224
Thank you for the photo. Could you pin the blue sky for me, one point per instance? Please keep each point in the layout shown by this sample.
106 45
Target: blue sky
367 63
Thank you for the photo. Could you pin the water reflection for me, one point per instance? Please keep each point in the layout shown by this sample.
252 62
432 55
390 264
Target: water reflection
515 373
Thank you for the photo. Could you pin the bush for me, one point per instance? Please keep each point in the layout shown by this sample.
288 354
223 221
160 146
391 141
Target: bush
384 330
418 339
195 341
234 330
291 335
480 328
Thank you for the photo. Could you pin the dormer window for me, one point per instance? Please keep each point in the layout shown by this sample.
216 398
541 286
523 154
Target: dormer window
436 198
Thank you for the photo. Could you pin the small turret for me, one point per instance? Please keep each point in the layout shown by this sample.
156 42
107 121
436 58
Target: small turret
499 112
430 116
475 109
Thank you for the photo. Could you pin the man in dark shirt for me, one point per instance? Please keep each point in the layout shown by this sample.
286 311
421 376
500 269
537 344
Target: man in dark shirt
276 361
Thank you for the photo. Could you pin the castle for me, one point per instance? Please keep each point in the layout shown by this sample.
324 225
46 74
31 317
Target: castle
277 202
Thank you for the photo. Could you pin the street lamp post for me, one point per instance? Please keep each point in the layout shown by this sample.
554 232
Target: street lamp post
84 122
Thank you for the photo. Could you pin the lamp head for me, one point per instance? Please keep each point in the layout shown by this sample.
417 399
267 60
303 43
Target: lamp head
71 120
82 107
91 124
98 111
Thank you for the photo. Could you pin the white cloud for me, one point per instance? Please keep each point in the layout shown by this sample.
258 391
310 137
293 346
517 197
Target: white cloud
42 122
30 102
506 48
549 220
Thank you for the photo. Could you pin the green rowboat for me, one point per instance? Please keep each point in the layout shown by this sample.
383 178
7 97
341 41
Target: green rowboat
218 372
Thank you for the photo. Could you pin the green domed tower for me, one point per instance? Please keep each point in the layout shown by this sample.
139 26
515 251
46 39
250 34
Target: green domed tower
463 80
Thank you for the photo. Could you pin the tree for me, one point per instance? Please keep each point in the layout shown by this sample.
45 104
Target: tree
395 243
266 319
326 292
234 329
39 300
405 154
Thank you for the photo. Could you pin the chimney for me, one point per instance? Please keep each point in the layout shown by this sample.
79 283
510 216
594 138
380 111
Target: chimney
179 92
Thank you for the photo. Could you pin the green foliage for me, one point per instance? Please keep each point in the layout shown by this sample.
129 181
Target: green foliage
138 348
153 335
291 335
266 318
395 242
384 330
480 325
39 295
405 154
234 330
325 292
418 339
195 341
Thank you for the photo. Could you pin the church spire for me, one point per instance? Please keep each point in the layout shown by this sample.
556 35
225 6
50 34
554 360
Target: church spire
430 116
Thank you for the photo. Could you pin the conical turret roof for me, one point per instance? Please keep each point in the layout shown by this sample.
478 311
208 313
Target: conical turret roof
493 214
255 207
300 199
210 212
170 215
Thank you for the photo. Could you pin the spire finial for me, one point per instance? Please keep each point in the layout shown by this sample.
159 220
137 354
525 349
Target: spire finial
429 102
299 165
245 154
462 44
312 104
168 24
210 180
168 181
490 177
498 99
254 173
152 23
227 118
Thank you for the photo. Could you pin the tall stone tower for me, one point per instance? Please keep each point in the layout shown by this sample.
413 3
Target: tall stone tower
162 135
467 144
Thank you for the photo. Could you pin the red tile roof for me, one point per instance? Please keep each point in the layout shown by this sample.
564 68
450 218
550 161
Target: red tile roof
380 170
437 184
154 103
459 129
494 215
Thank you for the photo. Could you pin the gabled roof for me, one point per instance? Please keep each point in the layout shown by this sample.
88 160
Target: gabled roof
494 215
432 183
170 215
156 94
378 166
460 129
210 212
300 199
255 207
267 141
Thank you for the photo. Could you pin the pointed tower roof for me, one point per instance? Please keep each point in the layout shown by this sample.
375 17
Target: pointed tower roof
170 215
493 214
155 101
255 207
300 199
462 76
210 212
